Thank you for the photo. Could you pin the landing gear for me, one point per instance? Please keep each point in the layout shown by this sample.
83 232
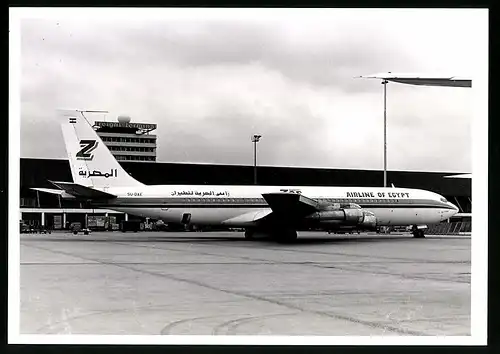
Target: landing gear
418 233
249 234
285 235
281 235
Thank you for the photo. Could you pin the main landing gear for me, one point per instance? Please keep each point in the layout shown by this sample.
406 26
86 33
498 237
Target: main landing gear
282 235
418 233
285 235
249 234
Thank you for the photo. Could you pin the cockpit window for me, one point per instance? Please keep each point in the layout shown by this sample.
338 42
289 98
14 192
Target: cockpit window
444 200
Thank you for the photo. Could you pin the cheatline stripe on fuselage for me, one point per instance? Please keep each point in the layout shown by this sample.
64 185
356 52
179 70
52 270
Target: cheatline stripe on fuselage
177 203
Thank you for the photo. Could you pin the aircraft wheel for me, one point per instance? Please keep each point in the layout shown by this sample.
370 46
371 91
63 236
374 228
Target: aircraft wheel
286 236
249 234
418 233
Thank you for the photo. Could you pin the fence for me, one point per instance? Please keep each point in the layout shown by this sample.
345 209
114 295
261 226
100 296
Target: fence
452 228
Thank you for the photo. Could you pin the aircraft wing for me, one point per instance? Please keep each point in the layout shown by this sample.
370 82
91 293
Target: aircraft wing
80 191
466 175
251 218
285 206
423 79
290 205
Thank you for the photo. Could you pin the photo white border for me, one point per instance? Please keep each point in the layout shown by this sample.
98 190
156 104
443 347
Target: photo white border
480 153
479 243
13 291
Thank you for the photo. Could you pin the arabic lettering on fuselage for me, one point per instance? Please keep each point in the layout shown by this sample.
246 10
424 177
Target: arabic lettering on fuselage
96 173
377 195
200 193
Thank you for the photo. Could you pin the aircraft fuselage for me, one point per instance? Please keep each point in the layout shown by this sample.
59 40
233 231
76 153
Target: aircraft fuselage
212 205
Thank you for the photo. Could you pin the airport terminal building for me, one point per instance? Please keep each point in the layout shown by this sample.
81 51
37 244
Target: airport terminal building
128 141
48 210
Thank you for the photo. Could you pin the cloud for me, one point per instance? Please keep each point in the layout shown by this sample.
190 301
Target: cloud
210 84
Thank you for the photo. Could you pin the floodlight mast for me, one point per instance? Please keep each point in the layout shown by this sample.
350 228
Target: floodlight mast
413 79
255 140
384 82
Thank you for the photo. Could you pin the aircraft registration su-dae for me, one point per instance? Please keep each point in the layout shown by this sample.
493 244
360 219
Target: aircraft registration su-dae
276 211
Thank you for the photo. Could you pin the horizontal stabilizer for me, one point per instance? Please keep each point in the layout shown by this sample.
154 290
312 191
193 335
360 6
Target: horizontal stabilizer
291 204
80 191
60 192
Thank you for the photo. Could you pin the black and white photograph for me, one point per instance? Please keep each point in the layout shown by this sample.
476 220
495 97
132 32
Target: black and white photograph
240 176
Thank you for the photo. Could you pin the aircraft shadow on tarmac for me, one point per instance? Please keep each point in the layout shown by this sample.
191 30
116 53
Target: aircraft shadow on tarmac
237 238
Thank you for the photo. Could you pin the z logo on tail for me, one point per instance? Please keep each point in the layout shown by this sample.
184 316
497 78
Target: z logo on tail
87 147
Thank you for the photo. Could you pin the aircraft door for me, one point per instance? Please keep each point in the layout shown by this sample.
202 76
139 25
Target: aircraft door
186 218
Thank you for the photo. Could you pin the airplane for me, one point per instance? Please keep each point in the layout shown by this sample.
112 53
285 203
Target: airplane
276 211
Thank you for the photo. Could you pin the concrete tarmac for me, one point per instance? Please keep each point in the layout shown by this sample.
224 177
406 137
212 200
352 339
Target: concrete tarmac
217 283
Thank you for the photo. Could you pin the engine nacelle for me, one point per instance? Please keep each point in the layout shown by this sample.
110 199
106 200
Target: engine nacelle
353 216
340 206
369 221
349 217
327 215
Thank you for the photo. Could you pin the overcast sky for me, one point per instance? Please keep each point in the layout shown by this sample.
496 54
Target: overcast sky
211 81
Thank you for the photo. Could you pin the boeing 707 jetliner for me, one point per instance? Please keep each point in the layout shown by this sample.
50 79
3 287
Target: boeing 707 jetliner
273 210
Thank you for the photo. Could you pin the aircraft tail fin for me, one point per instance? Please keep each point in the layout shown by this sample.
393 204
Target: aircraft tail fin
91 162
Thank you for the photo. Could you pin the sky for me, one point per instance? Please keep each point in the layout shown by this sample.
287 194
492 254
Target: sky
211 79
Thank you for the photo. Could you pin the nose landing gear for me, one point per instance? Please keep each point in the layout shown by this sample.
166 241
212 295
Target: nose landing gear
417 233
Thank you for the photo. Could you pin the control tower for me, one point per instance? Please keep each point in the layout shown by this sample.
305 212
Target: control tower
128 141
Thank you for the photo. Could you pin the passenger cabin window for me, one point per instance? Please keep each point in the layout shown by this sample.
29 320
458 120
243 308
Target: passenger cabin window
444 200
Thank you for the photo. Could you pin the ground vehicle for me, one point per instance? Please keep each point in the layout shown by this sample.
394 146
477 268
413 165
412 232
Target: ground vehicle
30 229
23 228
43 230
75 227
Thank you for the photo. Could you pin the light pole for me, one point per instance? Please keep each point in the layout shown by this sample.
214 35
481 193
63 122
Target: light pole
255 140
412 79
384 82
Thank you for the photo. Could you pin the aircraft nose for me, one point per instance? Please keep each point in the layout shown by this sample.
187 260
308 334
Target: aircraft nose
446 214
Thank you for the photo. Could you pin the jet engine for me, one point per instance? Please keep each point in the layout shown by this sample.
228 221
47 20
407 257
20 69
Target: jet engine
348 215
369 220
